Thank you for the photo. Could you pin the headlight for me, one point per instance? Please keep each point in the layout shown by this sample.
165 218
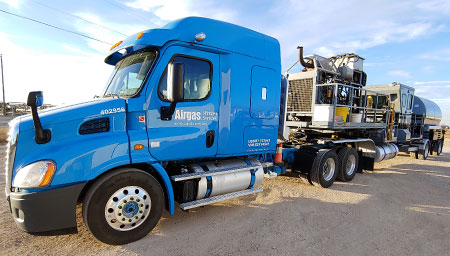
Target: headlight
38 174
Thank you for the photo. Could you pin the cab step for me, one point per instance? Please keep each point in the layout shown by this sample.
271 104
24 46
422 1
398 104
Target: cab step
219 198
195 175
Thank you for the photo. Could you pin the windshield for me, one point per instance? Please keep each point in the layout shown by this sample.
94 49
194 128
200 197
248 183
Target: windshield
129 74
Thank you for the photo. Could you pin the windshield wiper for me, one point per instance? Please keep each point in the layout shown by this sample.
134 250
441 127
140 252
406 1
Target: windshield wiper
111 95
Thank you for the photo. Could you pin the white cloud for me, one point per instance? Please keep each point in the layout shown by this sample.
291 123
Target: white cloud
399 74
13 3
440 6
106 35
381 33
169 10
325 51
64 78
164 9
432 83
437 55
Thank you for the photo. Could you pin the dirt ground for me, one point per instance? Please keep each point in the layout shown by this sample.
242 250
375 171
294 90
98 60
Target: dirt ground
403 208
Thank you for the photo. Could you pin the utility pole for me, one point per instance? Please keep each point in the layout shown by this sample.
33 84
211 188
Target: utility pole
3 86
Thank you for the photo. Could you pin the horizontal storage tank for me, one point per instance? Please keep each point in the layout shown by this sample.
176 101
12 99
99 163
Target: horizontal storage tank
430 110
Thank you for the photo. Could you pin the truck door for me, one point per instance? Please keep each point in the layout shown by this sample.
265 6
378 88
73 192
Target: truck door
192 131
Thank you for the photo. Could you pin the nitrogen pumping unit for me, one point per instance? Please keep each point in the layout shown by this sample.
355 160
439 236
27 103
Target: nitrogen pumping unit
198 112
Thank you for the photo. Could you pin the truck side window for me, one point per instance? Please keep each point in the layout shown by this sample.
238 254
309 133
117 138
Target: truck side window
410 101
197 79
404 99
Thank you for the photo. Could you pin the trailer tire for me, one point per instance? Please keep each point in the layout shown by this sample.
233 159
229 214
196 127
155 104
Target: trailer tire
324 168
123 206
439 146
348 163
423 153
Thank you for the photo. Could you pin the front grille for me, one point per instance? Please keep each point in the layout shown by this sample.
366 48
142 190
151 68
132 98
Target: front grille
11 147
300 95
95 126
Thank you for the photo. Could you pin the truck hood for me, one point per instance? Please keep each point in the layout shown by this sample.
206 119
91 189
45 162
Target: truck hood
85 110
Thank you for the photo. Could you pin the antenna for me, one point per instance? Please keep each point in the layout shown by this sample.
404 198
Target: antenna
3 86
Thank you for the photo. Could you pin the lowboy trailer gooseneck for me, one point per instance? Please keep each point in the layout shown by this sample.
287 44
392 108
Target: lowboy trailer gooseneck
198 112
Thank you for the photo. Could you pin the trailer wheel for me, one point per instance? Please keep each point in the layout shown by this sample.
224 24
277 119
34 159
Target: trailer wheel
123 206
324 169
423 153
439 147
348 164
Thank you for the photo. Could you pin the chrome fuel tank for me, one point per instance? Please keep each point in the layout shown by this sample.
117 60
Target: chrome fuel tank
385 152
228 182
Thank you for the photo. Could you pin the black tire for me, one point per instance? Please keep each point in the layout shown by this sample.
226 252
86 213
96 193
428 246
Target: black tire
423 153
320 168
348 164
100 194
439 146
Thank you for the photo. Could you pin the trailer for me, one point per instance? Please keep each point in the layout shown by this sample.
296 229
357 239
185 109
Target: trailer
415 124
195 113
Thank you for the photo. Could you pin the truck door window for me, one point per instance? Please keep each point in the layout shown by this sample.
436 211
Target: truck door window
197 79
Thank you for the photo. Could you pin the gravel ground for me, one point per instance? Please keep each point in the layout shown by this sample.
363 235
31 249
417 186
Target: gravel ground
403 208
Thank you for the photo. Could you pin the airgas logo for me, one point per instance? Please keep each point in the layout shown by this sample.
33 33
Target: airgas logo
187 115
195 115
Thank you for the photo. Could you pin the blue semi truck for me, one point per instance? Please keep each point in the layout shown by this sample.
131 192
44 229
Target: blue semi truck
195 113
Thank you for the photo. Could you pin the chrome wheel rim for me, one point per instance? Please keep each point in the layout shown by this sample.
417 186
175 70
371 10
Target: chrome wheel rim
439 151
425 153
328 169
350 165
128 208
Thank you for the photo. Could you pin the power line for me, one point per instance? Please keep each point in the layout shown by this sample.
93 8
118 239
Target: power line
134 14
78 17
63 29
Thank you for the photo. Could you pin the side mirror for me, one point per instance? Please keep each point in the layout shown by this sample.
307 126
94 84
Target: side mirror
175 89
175 82
35 99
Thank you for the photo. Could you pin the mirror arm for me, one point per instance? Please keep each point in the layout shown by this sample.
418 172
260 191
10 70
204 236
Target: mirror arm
42 136
167 111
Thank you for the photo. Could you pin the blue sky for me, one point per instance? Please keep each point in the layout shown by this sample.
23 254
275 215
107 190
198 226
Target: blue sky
402 41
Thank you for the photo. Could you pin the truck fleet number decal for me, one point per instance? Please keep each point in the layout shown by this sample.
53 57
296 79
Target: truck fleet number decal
112 110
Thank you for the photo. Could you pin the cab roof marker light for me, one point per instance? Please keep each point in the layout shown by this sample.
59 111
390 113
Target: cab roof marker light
140 35
115 45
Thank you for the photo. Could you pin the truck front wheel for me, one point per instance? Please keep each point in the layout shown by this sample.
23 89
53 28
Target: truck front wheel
123 206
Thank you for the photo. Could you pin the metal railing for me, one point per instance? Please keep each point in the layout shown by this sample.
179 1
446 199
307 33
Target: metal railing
356 99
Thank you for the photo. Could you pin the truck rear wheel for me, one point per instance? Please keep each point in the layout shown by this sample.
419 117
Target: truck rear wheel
123 206
423 153
439 146
324 168
348 164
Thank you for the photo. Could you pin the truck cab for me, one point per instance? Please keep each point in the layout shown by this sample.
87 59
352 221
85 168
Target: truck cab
195 95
